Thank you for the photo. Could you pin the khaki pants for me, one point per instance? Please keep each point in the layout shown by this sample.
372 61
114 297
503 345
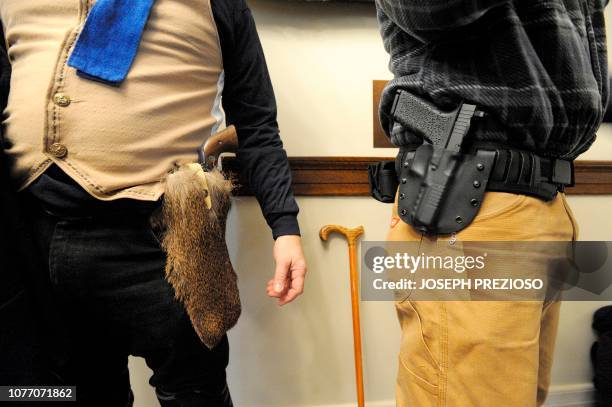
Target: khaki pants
483 353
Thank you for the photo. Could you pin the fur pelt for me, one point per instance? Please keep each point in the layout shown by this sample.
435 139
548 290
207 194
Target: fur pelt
198 264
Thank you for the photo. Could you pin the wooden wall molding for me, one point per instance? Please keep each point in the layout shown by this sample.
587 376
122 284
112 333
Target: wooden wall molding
380 139
592 178
347 176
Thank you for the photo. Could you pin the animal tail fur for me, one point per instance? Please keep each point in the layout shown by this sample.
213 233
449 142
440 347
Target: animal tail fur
198 264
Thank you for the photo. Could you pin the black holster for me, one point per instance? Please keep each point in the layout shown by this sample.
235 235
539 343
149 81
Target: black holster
445 197
422 203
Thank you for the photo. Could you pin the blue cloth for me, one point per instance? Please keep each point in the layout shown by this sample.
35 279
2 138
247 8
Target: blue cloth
110 38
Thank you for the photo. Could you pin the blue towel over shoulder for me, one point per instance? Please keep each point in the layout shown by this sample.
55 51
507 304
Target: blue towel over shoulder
109 41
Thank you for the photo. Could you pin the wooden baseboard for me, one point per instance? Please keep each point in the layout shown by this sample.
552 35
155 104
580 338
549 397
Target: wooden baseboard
562 396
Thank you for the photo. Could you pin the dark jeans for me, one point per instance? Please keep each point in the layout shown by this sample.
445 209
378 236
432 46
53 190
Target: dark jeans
104 297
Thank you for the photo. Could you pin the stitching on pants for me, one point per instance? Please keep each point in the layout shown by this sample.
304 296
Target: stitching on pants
570 214
411 291
442 381
419 378
426 346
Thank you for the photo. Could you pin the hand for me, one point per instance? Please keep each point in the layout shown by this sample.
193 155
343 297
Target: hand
288 281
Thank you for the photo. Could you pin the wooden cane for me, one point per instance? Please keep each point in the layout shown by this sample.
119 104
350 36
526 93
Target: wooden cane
352 236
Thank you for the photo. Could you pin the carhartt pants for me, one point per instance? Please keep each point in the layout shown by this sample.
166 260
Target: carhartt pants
483 353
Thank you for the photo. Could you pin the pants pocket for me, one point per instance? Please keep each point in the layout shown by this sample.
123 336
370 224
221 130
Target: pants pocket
496 204
420 345
570 214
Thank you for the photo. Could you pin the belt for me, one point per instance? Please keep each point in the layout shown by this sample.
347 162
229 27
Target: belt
517 171
120 210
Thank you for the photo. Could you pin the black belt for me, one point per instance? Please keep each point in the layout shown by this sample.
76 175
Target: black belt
514 171
519 172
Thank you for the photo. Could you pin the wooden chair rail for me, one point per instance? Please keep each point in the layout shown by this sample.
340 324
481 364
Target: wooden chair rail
347 176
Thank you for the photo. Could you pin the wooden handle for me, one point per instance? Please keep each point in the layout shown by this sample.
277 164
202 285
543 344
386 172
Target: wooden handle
352 235
225 141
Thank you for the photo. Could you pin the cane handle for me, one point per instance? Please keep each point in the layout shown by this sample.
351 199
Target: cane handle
352 235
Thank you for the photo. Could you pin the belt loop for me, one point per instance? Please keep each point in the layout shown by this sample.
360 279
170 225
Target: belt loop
500 166
531 159
512 166
523 167
536 176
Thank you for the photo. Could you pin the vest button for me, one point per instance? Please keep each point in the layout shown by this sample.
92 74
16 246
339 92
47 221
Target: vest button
61 100
58 150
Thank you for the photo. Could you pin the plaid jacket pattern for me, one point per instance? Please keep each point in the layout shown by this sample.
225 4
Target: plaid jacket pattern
538 67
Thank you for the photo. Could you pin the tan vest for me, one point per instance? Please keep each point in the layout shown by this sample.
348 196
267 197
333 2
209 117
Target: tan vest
117 142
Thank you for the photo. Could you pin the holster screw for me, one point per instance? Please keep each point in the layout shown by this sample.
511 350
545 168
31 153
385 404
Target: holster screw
406 164
403 212
404 180
459 219
476 184
402 196
474 202
480 166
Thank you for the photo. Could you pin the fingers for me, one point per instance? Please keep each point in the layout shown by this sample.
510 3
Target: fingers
293 288
271 291
296 289
280 276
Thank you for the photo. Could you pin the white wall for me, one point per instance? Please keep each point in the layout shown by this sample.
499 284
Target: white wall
323 58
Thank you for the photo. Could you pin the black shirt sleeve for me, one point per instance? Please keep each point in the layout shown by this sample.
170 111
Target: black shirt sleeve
249 104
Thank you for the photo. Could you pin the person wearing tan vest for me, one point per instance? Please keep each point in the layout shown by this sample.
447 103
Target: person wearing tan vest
89 151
